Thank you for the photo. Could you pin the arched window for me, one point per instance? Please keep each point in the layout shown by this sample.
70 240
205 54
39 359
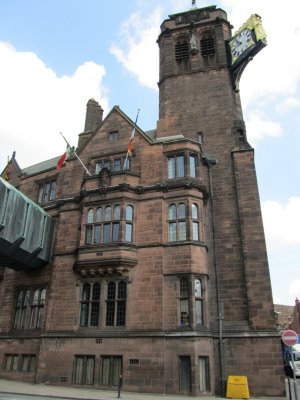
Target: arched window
107 213
117 212
121 304
89 227
129 224
90 216
177 222
116 224
99 214
85 304
184 302
199 301
29 309
90 304
116 303
103 224
41 313
191 301
172 211
195 222
18 309
95 304
37 308
192 164
182 55
110 303
207 44
181 211
34 309
26 303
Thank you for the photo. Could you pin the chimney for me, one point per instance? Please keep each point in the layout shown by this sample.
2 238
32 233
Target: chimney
94 115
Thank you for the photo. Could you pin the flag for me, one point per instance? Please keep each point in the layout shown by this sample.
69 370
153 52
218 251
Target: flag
69 150
130 144
63 157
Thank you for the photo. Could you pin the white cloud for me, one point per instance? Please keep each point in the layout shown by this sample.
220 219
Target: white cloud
288 104
138 51
281 222
294 289
259 126
36 105
277 300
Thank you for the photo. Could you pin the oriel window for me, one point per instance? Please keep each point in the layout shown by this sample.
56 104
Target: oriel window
177 222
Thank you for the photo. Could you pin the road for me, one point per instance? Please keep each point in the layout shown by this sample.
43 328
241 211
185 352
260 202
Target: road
12 396
9 396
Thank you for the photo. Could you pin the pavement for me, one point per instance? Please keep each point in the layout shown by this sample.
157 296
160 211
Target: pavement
30 390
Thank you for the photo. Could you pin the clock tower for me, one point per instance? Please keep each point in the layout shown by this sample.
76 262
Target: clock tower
200 66
159 272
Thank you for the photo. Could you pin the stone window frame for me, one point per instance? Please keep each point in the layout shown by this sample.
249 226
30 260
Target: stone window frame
84 369
191 302
47 191
208 47
12 362
111 368
106 311
184 223
113 135
195 222
29 308
103 227
129 217
20 362
116 303
182 53
204 373
179 164
113 164
177 221
90 304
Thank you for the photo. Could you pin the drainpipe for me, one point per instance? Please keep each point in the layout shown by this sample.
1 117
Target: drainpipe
209 162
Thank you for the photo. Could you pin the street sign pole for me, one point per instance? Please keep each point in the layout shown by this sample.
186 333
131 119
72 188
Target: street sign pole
290 338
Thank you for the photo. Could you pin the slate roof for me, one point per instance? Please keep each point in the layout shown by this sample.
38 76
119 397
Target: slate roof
41 167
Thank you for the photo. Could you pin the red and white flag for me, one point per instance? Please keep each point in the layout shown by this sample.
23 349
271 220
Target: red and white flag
69 150
130 144
63 157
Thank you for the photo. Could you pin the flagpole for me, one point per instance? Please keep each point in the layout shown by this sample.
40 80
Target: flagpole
131 137
73 150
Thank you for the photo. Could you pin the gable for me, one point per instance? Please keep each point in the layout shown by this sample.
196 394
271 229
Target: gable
112 137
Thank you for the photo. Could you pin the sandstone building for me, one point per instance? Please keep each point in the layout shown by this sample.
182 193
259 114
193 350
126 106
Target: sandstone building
158 271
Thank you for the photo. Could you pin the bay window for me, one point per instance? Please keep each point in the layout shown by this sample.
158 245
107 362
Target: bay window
181 165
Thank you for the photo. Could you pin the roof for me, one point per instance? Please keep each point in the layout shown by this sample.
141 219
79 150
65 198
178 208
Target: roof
284 315
40 167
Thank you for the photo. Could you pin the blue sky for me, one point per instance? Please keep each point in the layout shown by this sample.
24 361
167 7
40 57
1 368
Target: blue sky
57 54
